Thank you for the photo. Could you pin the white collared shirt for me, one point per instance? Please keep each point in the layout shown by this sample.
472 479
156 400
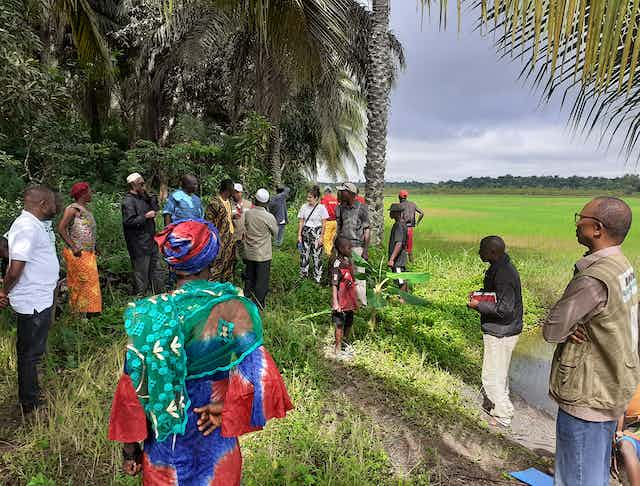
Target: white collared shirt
33 242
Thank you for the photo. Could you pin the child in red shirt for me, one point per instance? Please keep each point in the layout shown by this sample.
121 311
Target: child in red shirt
345 300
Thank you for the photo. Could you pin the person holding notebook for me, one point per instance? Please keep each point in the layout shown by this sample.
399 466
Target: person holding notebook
499 304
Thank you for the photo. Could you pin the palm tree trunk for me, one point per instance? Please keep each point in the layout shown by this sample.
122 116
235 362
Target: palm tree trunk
377 113
274 157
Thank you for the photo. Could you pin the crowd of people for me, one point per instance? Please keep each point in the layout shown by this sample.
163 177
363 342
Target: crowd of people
197 375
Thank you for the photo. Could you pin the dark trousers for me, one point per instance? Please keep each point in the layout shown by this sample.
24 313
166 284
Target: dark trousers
256 283
31 344
280 235
147 274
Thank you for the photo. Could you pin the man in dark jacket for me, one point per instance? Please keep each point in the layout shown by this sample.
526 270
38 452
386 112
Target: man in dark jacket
500 306
138 219
278 207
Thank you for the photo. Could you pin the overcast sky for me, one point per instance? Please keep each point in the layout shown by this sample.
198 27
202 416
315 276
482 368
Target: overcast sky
458 111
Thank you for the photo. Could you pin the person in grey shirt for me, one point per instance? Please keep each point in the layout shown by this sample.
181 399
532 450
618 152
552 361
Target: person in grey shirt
260 227
353 224
278 207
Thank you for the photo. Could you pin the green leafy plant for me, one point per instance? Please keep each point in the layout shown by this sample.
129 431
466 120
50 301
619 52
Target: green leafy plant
381 288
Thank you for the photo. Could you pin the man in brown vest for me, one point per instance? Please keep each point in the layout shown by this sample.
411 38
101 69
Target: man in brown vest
595 368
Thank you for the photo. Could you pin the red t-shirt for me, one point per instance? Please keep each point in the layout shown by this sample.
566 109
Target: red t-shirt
342 276
360 199
330 202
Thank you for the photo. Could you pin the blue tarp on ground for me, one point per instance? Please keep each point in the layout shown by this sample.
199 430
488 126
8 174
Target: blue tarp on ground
533 477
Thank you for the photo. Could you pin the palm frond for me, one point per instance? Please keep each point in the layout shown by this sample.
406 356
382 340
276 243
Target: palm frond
584 46
89 41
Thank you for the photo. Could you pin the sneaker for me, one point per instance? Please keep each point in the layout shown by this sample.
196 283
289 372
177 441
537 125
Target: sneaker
342 356
501 422
349 350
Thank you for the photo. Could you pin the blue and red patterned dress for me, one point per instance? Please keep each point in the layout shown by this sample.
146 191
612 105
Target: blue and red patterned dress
251 389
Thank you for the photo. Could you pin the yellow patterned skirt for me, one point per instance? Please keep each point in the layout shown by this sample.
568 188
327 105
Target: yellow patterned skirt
329 235
83 282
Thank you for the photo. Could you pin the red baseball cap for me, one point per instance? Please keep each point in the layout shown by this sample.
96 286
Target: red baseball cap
404 193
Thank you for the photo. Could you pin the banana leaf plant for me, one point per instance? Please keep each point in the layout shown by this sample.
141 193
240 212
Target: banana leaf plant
381 287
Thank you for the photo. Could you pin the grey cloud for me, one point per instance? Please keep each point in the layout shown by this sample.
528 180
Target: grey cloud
459 110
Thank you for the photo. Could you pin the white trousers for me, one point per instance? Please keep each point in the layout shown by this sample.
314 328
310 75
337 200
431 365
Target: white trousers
361 285
495 373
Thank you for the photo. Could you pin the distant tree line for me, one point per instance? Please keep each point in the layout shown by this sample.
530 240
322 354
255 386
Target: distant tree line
628 184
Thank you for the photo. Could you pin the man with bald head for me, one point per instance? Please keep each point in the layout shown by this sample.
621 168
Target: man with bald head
595 368
183 203
29 286
499 304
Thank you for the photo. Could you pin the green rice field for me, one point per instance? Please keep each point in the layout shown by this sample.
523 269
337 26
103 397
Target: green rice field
399 413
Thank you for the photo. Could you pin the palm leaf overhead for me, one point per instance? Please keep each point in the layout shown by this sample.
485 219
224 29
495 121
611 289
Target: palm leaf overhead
590 47
587 50
87 37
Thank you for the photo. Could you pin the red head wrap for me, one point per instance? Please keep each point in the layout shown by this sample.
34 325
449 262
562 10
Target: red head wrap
79 189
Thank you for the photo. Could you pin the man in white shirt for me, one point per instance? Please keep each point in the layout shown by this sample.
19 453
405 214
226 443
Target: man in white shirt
29 286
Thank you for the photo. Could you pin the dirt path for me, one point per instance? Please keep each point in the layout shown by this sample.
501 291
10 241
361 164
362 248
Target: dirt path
448 454
530 427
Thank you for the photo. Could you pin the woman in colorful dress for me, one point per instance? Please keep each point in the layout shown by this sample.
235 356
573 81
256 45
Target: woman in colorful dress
196 374
78 230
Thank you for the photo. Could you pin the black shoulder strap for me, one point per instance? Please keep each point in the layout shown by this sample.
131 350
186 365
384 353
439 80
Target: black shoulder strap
312 211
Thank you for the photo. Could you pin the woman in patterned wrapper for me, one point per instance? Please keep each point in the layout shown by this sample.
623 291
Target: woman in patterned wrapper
77 228
196 375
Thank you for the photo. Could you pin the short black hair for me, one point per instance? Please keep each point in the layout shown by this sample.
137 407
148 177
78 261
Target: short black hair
615 215
226 185
35 194
188 178
314 191
279 189
494 243
340 242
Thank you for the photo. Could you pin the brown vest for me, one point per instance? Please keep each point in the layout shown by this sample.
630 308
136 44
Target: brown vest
604 371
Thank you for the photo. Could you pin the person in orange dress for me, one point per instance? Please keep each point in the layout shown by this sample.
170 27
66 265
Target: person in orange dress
78 230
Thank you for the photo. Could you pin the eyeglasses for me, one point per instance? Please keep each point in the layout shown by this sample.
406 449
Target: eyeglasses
579 217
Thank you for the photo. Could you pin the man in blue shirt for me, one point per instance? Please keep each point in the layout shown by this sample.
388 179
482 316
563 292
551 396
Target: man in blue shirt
183 203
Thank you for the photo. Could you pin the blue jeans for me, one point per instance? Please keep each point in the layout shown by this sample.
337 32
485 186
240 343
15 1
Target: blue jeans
583 451
280 236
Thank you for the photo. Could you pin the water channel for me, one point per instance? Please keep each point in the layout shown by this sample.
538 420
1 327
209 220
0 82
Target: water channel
529 372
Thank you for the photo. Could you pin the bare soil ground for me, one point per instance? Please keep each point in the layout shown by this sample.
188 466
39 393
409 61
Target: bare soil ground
450 453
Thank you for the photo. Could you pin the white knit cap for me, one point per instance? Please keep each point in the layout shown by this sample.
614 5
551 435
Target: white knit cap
133 177
238 187
262 196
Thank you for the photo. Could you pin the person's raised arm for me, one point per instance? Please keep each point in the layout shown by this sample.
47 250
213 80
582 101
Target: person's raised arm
130 217
505 304
12 276
581 298
63 229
